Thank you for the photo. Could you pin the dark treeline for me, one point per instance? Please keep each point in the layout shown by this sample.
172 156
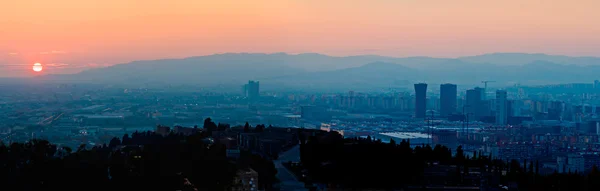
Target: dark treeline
370 164
142 161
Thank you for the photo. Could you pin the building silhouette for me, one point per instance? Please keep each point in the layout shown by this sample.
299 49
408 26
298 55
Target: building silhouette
556 109
501 107
482 92
420 100
447 99
474 106
252 90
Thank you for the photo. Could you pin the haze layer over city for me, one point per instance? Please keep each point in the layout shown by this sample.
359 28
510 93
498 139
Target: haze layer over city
300 95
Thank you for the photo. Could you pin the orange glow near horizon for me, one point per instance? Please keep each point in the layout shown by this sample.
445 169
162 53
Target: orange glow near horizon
105 32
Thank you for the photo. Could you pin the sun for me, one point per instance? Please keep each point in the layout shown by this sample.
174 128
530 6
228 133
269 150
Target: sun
37 67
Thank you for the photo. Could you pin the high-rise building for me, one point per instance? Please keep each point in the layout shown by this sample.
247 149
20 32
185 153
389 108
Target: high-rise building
474 103
245 90
420 100
510 107
556 110
447 99
482 92
252 90
501 109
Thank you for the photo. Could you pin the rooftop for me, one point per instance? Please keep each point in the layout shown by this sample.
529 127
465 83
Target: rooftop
104 117
92 107
406 135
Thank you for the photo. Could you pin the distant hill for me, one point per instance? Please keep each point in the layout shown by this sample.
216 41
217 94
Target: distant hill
197 70
521 59
372 76
368 72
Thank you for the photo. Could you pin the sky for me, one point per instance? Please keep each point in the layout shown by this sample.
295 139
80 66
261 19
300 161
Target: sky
67 36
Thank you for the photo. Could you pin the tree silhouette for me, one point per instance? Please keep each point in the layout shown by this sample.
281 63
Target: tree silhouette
148 162
209 125
361 164
114 142
246 127
259 128
223 127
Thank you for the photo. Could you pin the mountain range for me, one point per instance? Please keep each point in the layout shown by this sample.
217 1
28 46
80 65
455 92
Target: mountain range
313 71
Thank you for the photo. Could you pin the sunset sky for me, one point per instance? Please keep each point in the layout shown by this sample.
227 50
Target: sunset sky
70 35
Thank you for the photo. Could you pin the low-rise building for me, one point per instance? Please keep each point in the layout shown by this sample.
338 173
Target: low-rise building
591 160
246 180
163 130
573 163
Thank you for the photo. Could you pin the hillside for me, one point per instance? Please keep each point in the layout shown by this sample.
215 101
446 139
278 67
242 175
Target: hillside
317 71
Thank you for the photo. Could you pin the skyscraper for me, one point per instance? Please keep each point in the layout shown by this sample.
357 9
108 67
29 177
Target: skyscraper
420 100
501 109
252 90
474 103
245 90
510 107
482 92
447 99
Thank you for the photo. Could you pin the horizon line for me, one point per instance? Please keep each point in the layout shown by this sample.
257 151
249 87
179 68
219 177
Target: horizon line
356 55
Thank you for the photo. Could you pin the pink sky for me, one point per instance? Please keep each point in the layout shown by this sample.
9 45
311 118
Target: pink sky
71 35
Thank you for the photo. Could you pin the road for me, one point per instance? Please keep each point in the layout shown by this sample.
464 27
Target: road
287 178
49 120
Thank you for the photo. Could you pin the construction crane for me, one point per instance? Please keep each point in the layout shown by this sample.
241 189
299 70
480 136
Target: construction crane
485 83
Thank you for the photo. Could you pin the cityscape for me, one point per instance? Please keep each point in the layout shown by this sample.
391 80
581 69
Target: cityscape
557 127
300 95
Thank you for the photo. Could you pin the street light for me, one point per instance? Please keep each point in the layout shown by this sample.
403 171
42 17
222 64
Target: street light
465 117
429 128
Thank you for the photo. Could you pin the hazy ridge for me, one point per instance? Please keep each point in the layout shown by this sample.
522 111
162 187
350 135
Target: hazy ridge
321 72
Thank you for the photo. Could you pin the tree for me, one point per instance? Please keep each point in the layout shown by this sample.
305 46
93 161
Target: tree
68 150
33 165
259 128
537 167
114 142
246 127
81 147
223 127
514 166
126 140
593 178
460 156
209 125
531 167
